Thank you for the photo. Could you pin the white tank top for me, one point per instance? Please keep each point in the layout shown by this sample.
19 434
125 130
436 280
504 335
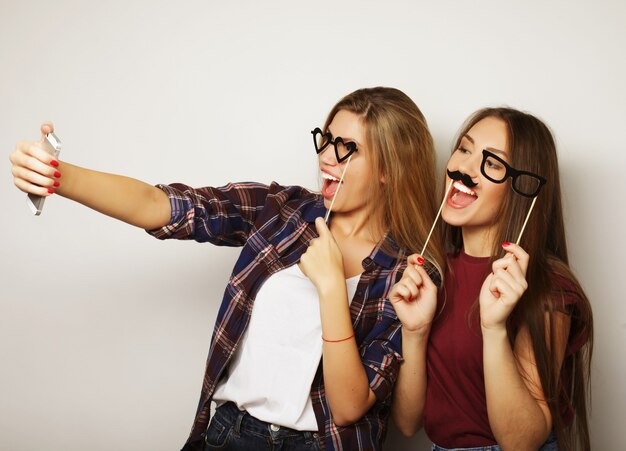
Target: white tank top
271 372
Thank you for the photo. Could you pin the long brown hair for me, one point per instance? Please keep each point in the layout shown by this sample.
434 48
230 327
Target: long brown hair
402 152
532 148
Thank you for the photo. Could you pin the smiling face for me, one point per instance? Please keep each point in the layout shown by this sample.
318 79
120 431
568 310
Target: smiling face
352 196
476 209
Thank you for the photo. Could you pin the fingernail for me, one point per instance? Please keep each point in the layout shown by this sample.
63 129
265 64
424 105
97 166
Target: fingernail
57 183
420 261
505 244
57 174
54 163
51 190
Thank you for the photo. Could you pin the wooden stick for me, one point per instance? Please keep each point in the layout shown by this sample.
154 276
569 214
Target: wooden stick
337 192
445 196
526 220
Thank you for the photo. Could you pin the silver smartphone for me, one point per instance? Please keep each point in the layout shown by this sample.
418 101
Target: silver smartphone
52 145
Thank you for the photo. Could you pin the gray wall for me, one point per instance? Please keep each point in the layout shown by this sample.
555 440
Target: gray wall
103 330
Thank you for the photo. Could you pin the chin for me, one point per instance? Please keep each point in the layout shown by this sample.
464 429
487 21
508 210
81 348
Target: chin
452 219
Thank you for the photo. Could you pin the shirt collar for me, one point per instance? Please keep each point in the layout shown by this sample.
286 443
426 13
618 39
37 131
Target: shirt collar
314 210
386 252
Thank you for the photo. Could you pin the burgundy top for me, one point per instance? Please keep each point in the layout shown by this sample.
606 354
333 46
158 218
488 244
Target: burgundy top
455 414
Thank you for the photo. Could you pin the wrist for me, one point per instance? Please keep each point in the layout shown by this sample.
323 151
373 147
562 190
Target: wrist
331 287
494 331
67 179
62 169
416 334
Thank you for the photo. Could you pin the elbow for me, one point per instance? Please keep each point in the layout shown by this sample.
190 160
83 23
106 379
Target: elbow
341 422
344 419
513 445
407 428
530 438
528 442
408 422
347 412
346 416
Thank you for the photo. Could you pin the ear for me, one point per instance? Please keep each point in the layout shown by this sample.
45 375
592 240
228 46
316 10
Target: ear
383 179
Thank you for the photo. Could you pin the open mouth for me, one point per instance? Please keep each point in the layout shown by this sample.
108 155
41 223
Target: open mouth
331 183
327 176
461 196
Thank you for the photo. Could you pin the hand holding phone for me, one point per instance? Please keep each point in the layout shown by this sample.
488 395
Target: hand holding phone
52 145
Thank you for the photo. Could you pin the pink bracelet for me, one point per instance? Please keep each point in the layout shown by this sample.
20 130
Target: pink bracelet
337 341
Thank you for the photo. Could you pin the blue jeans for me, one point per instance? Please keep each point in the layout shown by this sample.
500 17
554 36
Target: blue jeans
236 430
550 445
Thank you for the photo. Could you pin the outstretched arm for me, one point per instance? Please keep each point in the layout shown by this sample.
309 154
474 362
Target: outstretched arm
129 200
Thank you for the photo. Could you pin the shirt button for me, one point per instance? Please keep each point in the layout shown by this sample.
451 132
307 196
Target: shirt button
367 262
274 427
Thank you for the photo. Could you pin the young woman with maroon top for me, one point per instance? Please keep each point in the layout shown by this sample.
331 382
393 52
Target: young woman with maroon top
500 357
313 364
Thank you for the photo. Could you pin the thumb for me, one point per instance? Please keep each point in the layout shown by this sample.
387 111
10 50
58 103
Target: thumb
322 228
426 280
46 128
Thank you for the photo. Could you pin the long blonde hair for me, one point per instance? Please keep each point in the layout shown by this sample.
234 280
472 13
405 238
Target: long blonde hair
402 152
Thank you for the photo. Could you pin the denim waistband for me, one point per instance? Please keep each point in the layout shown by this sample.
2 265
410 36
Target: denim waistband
480 448
243 421
551 444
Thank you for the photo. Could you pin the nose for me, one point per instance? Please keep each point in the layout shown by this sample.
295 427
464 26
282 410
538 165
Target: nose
327 156
471 164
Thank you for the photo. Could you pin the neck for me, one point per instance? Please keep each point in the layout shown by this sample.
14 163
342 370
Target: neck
478 241
359 225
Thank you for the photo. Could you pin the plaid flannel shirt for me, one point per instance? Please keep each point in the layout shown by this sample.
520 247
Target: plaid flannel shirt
274 224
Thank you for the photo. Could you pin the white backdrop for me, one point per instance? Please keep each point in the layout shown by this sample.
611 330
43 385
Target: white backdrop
104 330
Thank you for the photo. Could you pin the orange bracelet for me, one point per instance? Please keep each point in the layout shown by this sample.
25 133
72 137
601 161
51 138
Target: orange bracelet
337 341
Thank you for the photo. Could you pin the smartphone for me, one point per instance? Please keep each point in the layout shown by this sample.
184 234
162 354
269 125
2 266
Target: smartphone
52 145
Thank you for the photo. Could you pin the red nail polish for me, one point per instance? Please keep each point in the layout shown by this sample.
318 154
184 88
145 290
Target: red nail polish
420 261
51 190
57 183
54 163
505 244
57 174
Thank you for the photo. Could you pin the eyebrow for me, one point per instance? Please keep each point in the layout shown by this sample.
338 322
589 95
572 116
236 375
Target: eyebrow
502 153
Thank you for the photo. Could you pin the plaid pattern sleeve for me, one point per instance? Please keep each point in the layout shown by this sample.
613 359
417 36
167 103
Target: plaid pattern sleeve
223 216
381 353
379 337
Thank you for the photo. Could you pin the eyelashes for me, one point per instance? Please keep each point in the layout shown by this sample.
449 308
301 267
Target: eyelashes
458 175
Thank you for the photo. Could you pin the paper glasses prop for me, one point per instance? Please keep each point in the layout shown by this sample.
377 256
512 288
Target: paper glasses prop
343 152
496 170
523 183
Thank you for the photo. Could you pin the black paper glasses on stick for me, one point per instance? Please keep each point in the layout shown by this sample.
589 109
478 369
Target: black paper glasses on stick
343 149
524 183
343 152
496 170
